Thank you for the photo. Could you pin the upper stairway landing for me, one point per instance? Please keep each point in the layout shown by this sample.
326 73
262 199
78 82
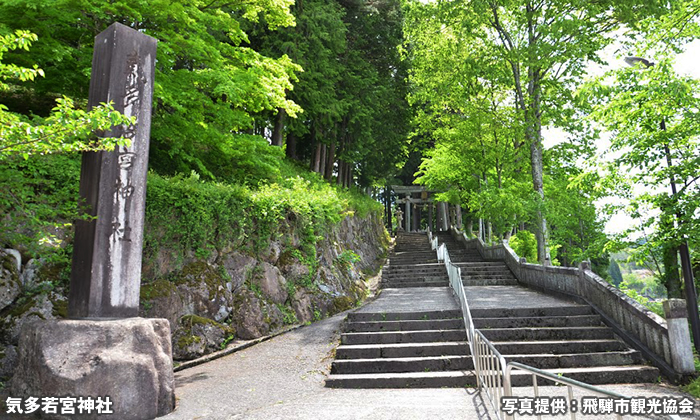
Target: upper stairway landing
413 264
475 270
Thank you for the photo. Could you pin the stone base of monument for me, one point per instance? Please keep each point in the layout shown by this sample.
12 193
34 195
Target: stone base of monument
128 360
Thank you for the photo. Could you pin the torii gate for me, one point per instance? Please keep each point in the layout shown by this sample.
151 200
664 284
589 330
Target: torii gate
414 198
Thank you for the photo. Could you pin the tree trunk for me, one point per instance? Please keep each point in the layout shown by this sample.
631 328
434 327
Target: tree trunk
322 161
330 160
348 174
278 130
292 146
316 163
341 172
671 277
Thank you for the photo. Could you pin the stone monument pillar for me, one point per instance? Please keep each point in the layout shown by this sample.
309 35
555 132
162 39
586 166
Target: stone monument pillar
103 351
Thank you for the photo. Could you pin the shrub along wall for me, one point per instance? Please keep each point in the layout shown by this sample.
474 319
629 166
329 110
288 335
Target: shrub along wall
221 262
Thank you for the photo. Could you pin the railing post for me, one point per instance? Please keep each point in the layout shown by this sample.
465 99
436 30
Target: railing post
679 336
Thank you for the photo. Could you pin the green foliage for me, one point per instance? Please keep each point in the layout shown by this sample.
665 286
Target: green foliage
186 213
39 201
525 245
66 129
615 273
656 307
652 113
288 315
693 388
347 258
209 84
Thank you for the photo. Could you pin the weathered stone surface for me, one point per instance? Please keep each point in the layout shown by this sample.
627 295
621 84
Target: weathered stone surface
28 276
302 305
238 266
272 283
43 306
161 299
8 361
197 336
272 253
128 360
10 286
107 252
17 258
204 292
248 318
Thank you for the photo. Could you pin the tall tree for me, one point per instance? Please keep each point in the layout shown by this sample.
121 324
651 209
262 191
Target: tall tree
209 84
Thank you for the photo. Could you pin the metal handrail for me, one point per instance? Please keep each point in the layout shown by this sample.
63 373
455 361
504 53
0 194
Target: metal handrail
493 372
489 364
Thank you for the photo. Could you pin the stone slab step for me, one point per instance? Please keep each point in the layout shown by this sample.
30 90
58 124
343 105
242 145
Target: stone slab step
545 321
558 346
405 325
490 282
594 376
426 336
483 264
404 274
397 316
400 284
448 379
402 365
375 351
532 312
486 274
578 360
567 333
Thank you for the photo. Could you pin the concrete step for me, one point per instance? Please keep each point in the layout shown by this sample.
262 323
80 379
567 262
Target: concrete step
375 351
408 261
431 266
405 325
558 346
594 376
405 284
578 360
532 334
545 321
425 336
406 273
484 273
448 379
402 365
483 264
490 282
398 316
532 312
418 274
485 270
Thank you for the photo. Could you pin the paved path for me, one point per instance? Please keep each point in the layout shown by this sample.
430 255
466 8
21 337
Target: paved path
283 378
412 299
511 297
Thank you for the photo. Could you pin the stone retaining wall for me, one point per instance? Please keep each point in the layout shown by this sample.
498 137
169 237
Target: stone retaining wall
635 323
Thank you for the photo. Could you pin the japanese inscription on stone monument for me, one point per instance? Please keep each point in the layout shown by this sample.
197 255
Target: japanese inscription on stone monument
106 272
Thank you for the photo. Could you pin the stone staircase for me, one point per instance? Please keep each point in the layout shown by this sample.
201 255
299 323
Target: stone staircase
569 340
413 264
476 271
414 337
424 349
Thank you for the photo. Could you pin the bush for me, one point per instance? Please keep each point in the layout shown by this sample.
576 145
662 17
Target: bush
524 244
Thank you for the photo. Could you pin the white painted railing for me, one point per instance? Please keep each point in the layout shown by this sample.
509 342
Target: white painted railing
493 373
